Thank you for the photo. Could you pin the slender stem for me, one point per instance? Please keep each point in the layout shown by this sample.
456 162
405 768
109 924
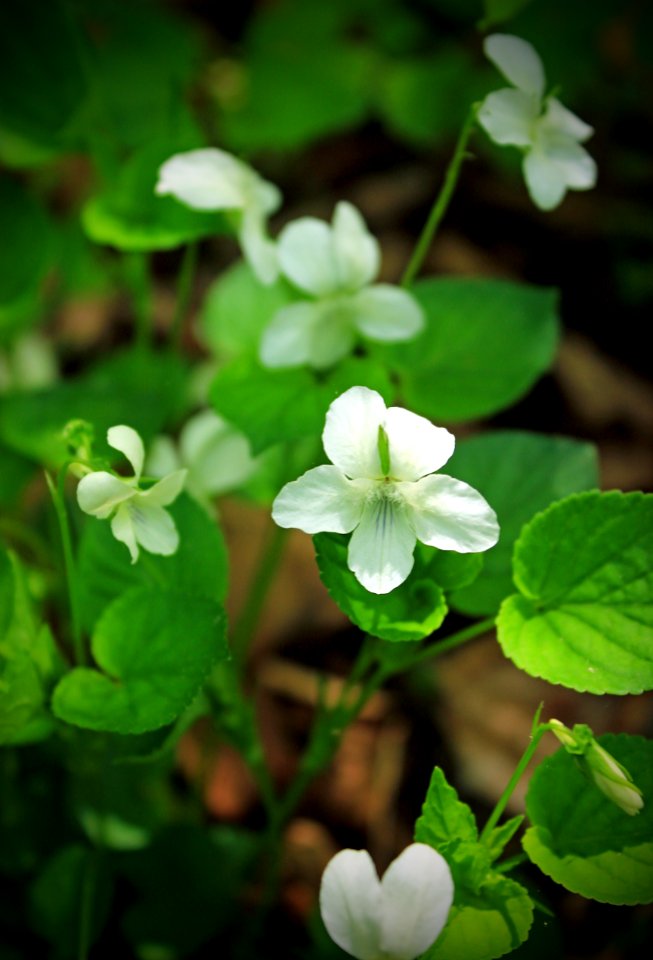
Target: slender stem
59 500
184 291
247 622
442 201
138 277
455 640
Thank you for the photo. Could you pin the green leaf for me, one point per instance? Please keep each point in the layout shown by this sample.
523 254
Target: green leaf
23 261
444 817
129 215
583 840
199 566
502 835
486 343
519 474
411 612
496 11
156 648
15 473
584 614
139 388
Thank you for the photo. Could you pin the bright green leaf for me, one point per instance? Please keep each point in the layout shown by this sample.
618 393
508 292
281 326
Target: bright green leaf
584 614
519 474
156 648
583 840
502 835
444 817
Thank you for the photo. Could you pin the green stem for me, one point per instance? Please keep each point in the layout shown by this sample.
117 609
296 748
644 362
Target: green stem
138 278
184 291
537 732
442 200
59 500
451 643
247 622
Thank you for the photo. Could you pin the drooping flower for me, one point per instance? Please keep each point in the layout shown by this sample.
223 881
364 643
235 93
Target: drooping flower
396 918
610 776
382 486
549 134
211 179
138 517
335 266
216 455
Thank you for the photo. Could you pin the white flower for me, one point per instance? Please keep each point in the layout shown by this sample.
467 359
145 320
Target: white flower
548 133
382 488
396 918
211 179
335 265
138 517
216 455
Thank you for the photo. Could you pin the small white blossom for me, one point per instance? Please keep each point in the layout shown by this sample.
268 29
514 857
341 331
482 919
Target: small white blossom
211 179
396 918
28 364
138 516
335 265
382 487
549 134
216 455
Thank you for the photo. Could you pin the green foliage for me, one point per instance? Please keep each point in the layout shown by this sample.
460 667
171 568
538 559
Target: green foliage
411 612
583 616
583 840
491 915
198 567
486 342
141 388
496 11
22 262
519 474
156 647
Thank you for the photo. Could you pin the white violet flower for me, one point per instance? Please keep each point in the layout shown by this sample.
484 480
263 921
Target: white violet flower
216 455
335 265
396 918
138 516
548 133
382 487
211 179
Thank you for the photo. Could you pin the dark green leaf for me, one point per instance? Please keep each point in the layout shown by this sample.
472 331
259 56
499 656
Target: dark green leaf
22 262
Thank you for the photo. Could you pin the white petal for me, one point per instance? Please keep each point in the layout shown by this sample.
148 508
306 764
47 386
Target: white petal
162 457
558 118
287 339
164 492
259 251
218 456
154 528
122 527
350 903
207 179
306 256
385 312
417 447
99 493
451 515
517 60
333 335
508 116
351 432
321 501
576 167
416 897
357 253
544 178
381 547
130 444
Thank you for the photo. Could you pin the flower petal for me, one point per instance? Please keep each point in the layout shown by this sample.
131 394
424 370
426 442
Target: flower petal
122 527
544 178
356 252
350 903
99 493
154 528
508 115
385 312
259 251
416 897
306 256
287 339
451 515
351 432
381 547
575 165
517 60
218 455
162 457
417 447
206 179
163 492
333 335
558 118
130 444
322 500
